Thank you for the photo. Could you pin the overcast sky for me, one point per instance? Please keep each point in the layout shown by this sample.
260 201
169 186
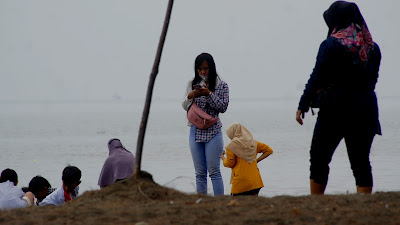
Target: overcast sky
94 49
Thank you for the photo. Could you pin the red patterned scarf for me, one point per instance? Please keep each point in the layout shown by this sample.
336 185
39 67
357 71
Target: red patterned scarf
357 39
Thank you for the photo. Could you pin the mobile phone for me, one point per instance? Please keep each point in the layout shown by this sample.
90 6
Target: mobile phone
196 86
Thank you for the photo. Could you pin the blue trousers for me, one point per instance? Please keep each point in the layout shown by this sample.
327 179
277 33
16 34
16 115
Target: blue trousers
206 157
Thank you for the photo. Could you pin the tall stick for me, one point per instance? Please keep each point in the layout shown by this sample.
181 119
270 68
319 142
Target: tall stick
146 110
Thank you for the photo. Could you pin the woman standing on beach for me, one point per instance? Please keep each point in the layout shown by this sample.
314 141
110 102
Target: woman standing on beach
345 76
211 94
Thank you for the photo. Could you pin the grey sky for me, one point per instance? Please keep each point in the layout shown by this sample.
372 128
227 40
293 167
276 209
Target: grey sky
93 49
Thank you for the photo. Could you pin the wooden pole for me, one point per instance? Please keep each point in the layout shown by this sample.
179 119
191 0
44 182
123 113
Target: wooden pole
153 75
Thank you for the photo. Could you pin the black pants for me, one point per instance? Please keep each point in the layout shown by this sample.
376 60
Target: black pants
327 136
251 192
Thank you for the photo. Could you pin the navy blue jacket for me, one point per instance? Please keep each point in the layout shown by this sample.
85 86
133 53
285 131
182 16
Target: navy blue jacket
349 97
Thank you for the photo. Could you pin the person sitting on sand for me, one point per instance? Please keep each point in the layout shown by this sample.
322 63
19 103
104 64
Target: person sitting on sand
40 187
10 196
241 156
71 177
118 166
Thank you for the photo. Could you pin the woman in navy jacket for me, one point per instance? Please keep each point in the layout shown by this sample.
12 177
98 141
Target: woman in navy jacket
344 80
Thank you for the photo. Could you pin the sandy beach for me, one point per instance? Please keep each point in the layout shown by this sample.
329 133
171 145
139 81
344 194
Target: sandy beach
142 201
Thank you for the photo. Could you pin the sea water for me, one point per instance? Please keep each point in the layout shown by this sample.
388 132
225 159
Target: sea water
43 137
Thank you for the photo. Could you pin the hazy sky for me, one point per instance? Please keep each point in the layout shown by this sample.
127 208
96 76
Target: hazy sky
93 49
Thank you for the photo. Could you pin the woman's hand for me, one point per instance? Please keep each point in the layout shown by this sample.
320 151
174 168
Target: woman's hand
199 92
223 155
263 156
299 116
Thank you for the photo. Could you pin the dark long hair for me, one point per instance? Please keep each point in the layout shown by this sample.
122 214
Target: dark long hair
341 14
212 71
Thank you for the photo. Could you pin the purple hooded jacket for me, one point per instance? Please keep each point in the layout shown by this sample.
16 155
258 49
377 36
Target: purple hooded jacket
119 164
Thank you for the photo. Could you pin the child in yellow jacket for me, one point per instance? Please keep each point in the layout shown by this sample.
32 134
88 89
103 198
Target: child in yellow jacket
241 156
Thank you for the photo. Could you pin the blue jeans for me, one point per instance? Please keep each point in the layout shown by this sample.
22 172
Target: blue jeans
206 157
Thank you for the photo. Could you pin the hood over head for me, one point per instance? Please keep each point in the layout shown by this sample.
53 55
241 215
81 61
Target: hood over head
342 14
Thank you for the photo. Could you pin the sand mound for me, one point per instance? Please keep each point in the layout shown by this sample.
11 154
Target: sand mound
142 201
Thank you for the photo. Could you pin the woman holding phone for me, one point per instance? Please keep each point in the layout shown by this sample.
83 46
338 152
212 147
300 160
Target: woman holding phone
211 94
